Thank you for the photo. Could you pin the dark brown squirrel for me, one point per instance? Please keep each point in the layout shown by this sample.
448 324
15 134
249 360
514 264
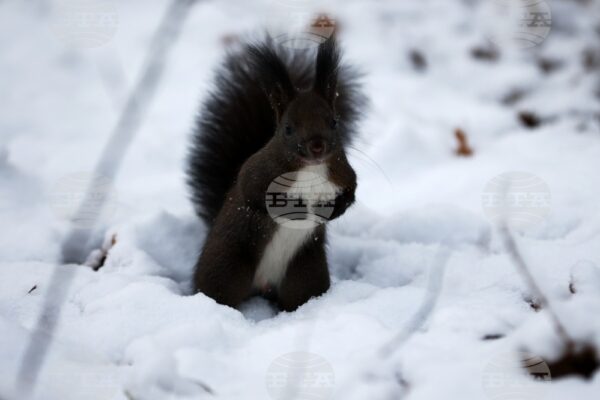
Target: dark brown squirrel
273 111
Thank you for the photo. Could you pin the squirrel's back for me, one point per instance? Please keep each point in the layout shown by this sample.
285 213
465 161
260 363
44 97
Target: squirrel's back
237 120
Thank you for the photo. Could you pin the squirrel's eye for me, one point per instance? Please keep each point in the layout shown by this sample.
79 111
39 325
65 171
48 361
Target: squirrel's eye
288 130
334 123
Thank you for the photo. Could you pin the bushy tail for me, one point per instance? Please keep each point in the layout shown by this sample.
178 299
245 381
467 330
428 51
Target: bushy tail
237 119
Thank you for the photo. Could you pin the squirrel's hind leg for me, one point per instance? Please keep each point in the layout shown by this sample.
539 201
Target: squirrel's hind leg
307 276
228 281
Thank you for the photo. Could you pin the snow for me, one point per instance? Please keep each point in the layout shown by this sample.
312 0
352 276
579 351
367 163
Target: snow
132 330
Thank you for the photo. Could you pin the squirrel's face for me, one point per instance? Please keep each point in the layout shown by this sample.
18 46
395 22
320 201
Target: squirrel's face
309 128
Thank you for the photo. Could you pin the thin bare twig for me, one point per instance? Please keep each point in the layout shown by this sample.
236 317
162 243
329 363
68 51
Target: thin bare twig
519 261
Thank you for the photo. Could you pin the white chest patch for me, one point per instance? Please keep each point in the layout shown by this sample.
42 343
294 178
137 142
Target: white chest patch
286 241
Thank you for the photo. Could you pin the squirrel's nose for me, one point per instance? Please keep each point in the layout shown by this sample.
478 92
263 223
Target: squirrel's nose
317 147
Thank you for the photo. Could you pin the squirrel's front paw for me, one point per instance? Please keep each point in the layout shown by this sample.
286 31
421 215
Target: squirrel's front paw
342 202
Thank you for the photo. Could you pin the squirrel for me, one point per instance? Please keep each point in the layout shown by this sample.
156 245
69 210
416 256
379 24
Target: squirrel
273 111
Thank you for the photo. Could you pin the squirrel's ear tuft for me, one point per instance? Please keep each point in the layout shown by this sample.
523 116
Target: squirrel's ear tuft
272 75
326 74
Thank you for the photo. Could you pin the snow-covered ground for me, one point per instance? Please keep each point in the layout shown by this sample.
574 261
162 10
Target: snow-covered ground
424 215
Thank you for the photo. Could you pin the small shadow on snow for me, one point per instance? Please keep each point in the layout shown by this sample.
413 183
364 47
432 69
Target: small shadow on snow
174 243
258 309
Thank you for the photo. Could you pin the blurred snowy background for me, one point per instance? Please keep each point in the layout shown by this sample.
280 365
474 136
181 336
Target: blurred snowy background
463 100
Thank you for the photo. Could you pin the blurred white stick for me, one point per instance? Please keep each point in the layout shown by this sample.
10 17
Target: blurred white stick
434 288
74 246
